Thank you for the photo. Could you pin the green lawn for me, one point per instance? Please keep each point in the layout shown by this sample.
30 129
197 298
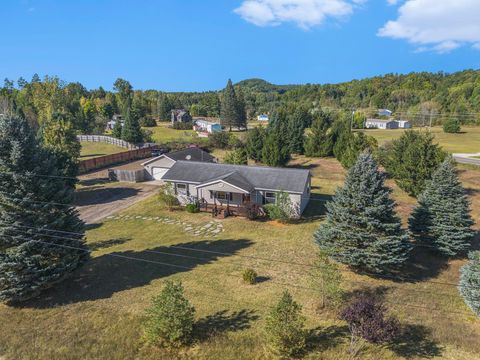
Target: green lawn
98 313
466 142
163 133
95 149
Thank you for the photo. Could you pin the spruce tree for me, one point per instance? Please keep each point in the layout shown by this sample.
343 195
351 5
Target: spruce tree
241 122
131 131
469 285
35 212
442 217
318 142
274 152
362 229
296 131
237 157
255 140
229 107
117 130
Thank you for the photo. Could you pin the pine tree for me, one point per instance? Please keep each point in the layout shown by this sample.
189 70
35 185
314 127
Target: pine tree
469 285
241 122
34 196
117 130
274 152
327 278
237 157
318 142
284 328
296 131
255 140
131 131
442 217
362 229
229 107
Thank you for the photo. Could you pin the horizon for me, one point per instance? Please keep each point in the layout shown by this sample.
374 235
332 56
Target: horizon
187 46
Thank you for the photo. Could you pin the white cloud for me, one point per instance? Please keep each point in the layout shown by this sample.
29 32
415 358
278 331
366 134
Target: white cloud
304 13
434 25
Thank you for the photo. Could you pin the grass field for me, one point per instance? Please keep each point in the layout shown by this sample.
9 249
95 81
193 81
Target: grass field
466 142
95 149
98 313
163 133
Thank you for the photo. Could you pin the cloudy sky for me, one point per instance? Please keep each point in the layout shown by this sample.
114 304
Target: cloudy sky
182 45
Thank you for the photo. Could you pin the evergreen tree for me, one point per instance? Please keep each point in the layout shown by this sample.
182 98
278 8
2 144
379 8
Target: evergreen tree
296 131
442 216
131 131
285 328
412 160
469 285
237 157
274 152
229 107
255 141
362 229
170 319
318 142
117 130
354 143
34 196
241 121
327 278
452 126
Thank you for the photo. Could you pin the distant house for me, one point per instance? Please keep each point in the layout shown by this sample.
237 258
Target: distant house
404 124
234 188
111 124
262 117
157 167
384 112
206 127
381 124
181 115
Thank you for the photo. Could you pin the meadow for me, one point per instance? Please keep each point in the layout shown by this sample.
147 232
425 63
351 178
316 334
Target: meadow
95 149
98 312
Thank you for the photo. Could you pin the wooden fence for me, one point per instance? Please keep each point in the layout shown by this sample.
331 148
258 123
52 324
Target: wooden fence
107 160
106 139
128 175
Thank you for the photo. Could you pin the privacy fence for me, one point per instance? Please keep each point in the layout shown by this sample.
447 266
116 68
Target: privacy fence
128 175
106 139
107 160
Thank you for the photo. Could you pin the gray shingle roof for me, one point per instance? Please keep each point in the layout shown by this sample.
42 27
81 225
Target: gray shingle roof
259 177
191 154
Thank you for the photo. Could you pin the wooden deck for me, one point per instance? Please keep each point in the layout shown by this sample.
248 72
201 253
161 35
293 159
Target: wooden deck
223 211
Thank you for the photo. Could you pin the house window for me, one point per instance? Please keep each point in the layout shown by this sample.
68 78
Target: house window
182 188
270 197
221 195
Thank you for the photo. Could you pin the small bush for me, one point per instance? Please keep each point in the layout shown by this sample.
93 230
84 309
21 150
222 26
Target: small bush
452 126
148 122
283 209
167 198
284 328
169 321
183 125
192 208
249 276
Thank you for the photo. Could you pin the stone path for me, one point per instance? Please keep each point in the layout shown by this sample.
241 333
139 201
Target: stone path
213 228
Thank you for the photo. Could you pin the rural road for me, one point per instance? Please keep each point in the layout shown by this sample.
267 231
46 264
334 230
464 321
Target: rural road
472 159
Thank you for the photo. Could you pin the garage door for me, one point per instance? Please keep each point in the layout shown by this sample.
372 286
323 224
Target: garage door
158 173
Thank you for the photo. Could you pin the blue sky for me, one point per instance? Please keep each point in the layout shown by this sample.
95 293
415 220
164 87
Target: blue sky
190 45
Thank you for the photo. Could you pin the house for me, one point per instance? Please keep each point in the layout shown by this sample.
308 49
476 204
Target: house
384 112
234 188
404 124
262 117
111 124
206 127
158 166
381 124
181 115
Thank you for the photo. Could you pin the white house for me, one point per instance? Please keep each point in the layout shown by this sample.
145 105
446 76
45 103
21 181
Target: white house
381 124
404 124
262 117
204 126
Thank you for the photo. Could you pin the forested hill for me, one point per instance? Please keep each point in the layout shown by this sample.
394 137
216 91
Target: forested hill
414 95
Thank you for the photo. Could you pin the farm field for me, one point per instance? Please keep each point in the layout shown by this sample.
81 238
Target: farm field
98 313
95 149
466 142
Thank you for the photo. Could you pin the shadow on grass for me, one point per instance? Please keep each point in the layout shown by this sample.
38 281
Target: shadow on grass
424 264
94 181
415 341
108 274
322 339
107 243
222 322
316 207
102 195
